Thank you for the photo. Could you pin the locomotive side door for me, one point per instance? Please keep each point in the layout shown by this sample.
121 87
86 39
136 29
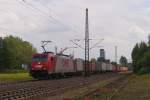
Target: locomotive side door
52 64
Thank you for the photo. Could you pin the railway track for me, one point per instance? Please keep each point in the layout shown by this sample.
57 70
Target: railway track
35 89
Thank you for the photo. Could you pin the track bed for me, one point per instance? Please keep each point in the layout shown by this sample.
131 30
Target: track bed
48 88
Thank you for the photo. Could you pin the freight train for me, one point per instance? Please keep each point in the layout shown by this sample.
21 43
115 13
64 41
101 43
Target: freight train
48 64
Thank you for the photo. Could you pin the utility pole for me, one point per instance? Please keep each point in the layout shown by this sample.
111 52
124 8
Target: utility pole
86 67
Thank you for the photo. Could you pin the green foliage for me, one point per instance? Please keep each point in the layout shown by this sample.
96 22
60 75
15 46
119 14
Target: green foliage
144 70
15 52
141 57
123 61
9 77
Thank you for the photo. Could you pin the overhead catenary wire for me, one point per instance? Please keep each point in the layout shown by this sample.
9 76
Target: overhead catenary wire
73 27
77 44
34 9
93 46
51 18
96 43
44 13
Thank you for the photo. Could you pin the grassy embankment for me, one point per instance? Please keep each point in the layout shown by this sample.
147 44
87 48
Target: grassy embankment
9 76
137 89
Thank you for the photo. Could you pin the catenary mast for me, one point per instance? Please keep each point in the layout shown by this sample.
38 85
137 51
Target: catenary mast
87 69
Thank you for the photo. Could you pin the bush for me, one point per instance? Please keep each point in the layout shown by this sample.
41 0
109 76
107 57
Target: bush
144 70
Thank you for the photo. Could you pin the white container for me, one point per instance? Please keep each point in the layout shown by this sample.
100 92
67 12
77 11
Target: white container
78 64
64 64
104 67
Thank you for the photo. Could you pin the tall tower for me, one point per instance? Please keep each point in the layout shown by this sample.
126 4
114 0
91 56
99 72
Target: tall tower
116 55
102 54
87 69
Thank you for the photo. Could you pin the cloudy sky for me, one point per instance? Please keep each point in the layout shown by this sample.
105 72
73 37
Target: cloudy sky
121 23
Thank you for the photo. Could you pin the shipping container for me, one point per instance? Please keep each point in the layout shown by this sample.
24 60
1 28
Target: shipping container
64 64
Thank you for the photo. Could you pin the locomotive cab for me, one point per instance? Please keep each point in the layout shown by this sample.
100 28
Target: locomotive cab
42 64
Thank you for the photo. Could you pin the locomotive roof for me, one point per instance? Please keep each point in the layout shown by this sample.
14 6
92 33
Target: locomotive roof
48 52
63 55
44 53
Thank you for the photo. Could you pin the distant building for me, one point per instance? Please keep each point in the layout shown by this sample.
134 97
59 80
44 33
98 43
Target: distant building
102 54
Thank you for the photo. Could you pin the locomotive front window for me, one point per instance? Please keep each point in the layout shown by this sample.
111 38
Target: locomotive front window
39 58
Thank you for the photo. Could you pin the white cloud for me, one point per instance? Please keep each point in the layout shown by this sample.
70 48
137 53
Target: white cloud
119 22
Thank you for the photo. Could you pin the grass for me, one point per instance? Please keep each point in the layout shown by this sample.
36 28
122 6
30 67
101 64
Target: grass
138 88
9 77
12 71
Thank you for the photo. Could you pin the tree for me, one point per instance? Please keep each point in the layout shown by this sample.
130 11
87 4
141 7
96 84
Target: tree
141 56
149 40
123 61
145 61
137 55
15 52
1 54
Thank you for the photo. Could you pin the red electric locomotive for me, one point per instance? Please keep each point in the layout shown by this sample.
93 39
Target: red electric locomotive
42 64
49 64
